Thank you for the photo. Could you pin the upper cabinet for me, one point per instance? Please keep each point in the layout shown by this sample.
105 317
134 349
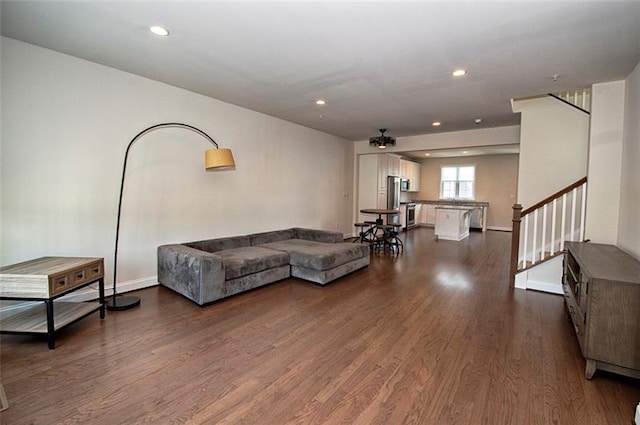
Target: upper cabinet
373 170
404 168
386 165
411 171
382 170
394 165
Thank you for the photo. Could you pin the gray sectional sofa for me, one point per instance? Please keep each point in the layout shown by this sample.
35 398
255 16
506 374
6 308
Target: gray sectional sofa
208 270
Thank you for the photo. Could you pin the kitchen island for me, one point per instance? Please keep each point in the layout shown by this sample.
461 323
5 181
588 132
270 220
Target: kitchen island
478 217
452 222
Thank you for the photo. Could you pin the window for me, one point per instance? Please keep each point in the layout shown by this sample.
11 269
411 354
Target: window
457 182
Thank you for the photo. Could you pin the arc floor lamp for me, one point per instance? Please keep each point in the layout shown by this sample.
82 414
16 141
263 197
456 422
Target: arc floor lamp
214 159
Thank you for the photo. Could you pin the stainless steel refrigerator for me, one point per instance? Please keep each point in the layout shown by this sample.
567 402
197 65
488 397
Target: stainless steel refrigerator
393 197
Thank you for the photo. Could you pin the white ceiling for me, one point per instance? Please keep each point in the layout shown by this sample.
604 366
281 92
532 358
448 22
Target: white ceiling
376 64
466 151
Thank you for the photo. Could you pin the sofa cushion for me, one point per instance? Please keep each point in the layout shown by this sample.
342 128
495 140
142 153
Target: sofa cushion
267 237
240 262
215 245
318 235
319 255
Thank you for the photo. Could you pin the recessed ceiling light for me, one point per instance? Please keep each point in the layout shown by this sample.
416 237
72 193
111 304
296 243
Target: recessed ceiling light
436 123
459 72
465 151
427 154
321 102
478 120
158 30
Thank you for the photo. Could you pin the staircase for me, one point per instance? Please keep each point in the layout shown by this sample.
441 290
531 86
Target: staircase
540 232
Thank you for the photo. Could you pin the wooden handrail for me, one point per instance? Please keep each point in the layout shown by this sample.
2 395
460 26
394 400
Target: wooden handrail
518 213
554 196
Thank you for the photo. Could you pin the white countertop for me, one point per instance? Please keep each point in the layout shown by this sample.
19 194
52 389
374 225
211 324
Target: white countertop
455 207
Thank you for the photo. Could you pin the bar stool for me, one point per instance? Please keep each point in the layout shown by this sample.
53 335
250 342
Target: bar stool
365 234
390 238
395 237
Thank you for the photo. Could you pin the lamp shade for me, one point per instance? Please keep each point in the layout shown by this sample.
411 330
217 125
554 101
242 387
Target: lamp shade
215 159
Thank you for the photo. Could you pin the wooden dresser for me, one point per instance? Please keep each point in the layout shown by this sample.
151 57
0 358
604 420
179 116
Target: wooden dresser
602 292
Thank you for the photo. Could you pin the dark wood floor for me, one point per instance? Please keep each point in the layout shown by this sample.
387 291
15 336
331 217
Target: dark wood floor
434 336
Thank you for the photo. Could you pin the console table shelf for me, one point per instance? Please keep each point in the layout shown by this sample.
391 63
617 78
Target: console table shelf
34 319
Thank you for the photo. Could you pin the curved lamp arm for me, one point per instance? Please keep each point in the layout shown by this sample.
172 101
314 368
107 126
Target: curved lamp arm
215 159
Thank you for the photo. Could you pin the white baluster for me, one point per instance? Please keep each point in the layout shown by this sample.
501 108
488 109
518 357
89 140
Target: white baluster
588 103
534 237
525 241
583 210
544 231
553 226
563 225
573 213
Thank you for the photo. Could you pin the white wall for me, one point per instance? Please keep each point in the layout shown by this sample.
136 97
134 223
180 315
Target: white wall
66 124
629 223
605 161
553 147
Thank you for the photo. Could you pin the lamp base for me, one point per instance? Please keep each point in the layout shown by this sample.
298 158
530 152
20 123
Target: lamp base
117 303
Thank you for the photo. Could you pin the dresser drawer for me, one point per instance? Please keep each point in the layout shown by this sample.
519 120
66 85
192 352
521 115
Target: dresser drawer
85 274
59 283
95 271
577 318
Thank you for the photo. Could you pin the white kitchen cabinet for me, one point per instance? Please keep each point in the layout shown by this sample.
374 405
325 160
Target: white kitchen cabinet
382 200
429 214
382 169
373 171
403 217
411 171
393 165
422 217
414 179
476 218
404 169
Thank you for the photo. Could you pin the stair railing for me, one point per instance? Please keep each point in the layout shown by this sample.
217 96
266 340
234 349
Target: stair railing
540 231
580 98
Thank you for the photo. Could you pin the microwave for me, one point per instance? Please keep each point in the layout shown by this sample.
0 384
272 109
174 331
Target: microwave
404 185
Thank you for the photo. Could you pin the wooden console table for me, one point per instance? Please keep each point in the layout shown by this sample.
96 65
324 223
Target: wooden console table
46 279
602 293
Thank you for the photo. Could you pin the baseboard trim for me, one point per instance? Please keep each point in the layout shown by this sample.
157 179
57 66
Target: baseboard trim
500 228
522 281
545 287
86 294
91 292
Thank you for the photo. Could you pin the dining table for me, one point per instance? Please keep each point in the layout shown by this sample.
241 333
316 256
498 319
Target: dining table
389 237
380 212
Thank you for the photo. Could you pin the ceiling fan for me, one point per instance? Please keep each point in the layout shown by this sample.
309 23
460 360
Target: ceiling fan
382 141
